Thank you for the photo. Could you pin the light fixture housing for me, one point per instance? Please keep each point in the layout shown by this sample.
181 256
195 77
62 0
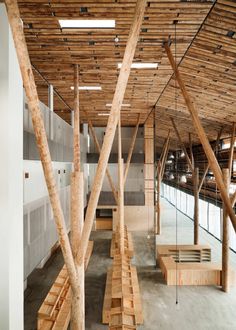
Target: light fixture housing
140 65
88 88
87 23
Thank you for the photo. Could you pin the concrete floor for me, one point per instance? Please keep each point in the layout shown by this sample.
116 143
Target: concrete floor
199 308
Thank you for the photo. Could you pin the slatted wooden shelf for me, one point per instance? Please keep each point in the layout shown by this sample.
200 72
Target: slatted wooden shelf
129 248
185 253
54 313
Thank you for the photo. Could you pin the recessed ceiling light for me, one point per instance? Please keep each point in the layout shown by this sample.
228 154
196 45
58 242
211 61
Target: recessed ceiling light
139 65
103 114
123 105
87 23
88 88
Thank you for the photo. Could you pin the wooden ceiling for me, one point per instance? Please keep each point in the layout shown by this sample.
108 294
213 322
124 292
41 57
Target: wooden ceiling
206 51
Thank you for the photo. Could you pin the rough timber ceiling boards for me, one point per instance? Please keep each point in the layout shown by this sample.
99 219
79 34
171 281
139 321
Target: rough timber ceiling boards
209 71
205 46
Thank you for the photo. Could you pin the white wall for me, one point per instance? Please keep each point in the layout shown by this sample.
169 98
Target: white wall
135 178
11 184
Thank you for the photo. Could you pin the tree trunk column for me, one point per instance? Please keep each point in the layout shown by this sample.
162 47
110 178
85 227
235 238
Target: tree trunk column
196 205
225 239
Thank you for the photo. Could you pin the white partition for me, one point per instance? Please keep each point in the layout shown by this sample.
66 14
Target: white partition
39 227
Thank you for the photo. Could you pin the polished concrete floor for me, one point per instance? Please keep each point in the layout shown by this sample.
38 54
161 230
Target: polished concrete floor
198 308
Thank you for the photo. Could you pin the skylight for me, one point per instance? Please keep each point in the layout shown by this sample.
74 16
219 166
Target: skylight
88 88
87 23
139 65
123 105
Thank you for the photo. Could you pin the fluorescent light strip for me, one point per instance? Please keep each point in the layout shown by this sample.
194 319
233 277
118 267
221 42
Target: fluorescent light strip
103 114
87 23
139 65
88 88
123 105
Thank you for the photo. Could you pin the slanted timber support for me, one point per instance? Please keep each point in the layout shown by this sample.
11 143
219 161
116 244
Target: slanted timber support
111 125
214 165
40 134
208 165
131 149
182 145
160 173
91 128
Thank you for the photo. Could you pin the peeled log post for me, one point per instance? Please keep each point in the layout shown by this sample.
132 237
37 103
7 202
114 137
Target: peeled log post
121 206
40 135
76 221
203 138
158 208
225 239
182 144
163 163
111 125
131 150
76 121
121 191
191 149
196 205
78 299
160 173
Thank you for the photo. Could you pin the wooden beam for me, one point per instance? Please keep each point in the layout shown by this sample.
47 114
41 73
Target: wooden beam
208 165
131 149
112 123
182 144
203 138
196 205
41 137
225 238
113 189
231 151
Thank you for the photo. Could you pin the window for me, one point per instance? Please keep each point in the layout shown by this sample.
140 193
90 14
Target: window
203 214
190 206
215 220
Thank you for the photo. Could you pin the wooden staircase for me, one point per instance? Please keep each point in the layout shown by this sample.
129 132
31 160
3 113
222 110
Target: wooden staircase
122 308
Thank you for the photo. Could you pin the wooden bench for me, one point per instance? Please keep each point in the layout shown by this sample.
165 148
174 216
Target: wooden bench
54 312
